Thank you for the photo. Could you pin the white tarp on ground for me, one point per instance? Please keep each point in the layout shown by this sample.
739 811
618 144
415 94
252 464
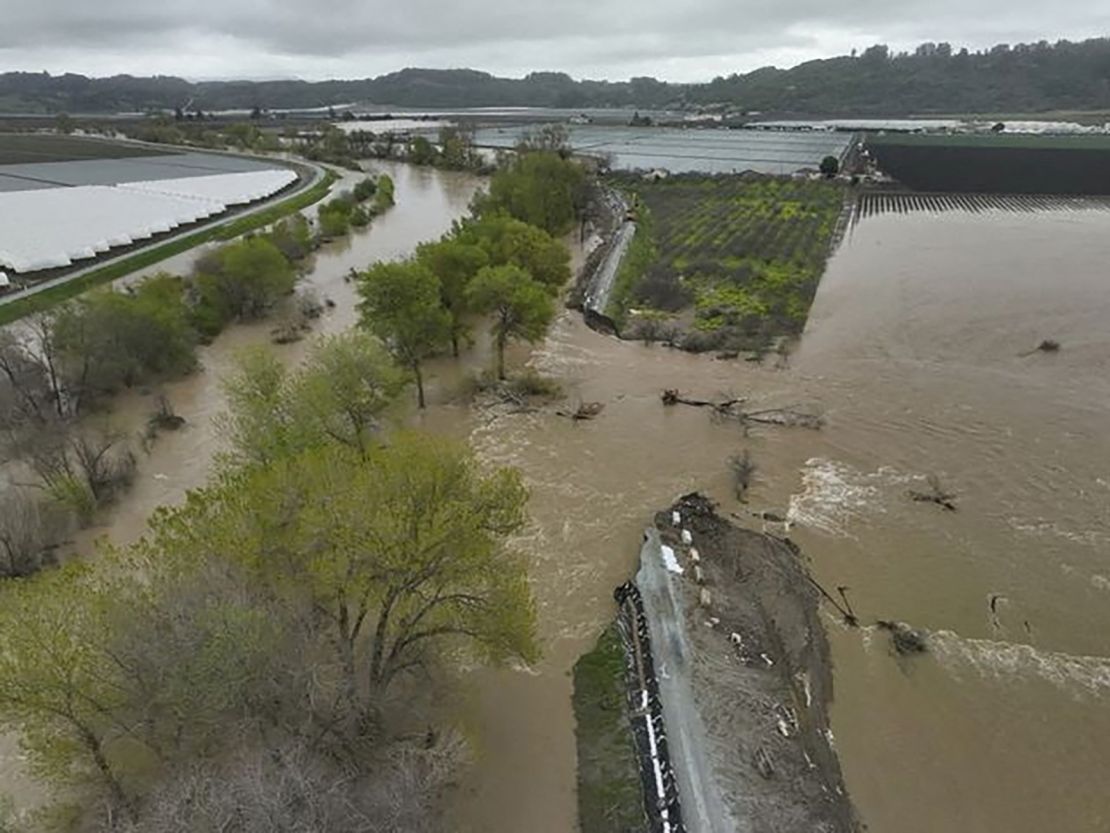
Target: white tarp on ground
50 228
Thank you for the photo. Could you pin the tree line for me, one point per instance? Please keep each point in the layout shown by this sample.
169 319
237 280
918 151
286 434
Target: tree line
935 77
58 372
503 262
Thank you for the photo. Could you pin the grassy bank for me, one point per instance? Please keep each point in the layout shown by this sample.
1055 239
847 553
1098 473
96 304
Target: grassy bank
17 309
610 799
725 262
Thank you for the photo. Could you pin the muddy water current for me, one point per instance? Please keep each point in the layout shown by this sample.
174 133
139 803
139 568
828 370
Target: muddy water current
912 353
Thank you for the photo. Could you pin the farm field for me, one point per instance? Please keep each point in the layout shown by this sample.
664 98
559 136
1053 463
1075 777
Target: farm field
22 148
732 262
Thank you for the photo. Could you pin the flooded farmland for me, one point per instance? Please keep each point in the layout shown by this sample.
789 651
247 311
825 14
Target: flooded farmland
914 352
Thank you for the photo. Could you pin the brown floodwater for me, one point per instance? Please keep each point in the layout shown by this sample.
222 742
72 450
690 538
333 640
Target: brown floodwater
912 352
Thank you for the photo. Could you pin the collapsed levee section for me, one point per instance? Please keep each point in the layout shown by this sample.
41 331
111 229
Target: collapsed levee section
660 790
729 681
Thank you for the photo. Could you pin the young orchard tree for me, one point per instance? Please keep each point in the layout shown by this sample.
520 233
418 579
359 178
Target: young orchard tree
520 307
401 306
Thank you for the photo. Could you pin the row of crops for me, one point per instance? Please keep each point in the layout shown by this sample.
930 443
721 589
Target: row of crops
735 259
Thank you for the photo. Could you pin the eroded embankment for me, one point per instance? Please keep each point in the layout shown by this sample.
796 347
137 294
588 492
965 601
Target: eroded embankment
742 676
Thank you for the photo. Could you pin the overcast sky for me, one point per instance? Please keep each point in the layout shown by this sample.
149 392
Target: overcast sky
680 40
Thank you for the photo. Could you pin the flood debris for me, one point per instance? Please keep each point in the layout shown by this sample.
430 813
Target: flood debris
936 493
791 416
742 467
584 411
1048 345
904 639
165 418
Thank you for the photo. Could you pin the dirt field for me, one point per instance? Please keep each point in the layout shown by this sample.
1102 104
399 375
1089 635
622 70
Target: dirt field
755 661
21 148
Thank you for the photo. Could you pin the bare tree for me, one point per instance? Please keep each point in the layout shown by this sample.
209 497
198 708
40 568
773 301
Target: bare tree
291 789
83 470
743 468
25 539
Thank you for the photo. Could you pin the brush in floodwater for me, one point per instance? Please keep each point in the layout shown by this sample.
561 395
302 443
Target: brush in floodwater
1047 346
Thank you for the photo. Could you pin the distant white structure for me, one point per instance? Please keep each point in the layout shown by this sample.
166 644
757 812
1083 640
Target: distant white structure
52 227
5 281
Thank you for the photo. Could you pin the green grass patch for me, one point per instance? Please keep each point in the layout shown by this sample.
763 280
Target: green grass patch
610 796
21 307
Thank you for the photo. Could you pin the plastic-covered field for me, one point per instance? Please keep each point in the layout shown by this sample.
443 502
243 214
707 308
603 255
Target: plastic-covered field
51 228
690 150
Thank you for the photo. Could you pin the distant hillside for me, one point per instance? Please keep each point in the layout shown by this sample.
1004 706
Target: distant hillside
934 78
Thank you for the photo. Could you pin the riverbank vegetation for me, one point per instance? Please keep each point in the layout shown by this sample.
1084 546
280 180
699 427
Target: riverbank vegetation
496 263
724 262
610 795
58 376
276 640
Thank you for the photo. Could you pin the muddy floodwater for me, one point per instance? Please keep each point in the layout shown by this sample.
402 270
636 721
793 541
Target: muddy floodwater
913 354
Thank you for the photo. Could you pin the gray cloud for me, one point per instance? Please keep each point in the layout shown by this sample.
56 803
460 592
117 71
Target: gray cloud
690 40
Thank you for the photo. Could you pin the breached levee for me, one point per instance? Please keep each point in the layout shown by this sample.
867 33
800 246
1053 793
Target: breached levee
729 681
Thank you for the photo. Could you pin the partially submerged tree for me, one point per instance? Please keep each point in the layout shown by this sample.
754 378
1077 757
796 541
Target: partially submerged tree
398 558
455 264
508 241
344 387
26 533
520 307
401 306
53 688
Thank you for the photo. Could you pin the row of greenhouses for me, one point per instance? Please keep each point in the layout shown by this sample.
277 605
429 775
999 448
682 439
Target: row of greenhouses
51 228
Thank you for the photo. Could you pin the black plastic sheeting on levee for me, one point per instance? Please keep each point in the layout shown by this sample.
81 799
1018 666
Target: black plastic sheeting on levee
664 810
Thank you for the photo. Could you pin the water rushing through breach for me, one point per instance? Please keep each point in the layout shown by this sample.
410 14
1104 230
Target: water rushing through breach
912 351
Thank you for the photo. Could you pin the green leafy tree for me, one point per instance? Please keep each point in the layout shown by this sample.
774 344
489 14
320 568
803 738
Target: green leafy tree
455 264
54 686
401 306
344 387
507 241
240 280
521 308
337 396
830 166
457 151
259 424
108 339
401 557
422 152
540 188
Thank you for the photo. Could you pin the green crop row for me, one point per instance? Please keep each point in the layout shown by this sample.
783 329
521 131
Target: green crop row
745 252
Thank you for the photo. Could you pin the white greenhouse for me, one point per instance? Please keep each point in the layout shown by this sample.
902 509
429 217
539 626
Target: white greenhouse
51 228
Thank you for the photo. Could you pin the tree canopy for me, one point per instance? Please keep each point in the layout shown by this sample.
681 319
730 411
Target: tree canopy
541 188
508 241
455 263
520 307
401 304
